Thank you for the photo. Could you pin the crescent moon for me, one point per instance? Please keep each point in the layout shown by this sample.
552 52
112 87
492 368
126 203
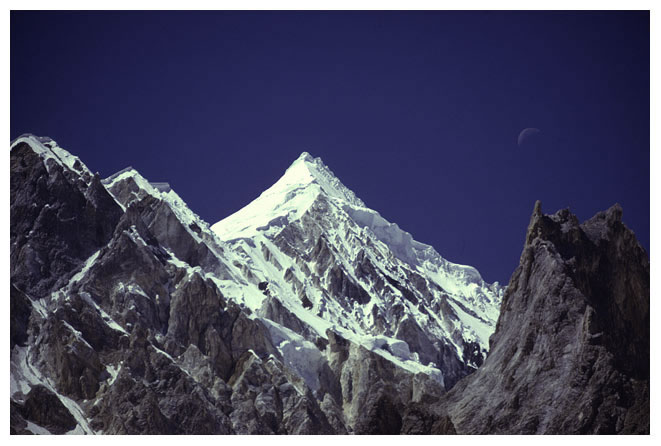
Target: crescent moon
527 133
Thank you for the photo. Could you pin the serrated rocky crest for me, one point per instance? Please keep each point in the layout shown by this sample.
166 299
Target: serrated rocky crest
570 354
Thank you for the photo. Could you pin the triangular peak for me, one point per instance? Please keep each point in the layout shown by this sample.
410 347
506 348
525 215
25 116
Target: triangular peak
307 169
292 195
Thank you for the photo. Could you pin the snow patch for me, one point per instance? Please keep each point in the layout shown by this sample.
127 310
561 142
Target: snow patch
40 306
37 430
396 351
113 370
299 354
86 266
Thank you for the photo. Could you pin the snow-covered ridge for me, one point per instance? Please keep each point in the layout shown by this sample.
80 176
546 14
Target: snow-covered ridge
295 192
400 242
463 282
161 191
48 149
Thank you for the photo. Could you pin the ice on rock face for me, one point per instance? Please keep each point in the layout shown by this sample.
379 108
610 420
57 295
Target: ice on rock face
24 375
307 217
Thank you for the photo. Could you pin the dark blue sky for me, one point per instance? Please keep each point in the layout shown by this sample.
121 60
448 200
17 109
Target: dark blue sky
417 112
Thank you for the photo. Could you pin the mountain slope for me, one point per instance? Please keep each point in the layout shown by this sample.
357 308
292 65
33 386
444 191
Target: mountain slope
333 262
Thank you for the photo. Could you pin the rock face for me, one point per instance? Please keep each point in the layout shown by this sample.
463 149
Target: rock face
570 354
60 214
130 314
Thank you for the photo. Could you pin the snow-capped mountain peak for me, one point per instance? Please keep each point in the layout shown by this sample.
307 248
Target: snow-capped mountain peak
305 156
307 170
333 262
287 199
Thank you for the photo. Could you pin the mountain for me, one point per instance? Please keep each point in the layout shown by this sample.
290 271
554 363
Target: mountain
571 351
306 312
333 263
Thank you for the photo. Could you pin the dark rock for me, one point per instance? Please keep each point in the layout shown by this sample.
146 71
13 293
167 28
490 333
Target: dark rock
375 392
198 317
68 359
17 424
570 353
45 409
20 308
342 285
426 419
57 220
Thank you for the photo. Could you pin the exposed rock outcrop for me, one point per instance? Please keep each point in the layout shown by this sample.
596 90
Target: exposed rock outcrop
377 396
59 217
571 352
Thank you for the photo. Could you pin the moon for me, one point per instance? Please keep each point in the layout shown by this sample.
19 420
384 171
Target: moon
527 133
